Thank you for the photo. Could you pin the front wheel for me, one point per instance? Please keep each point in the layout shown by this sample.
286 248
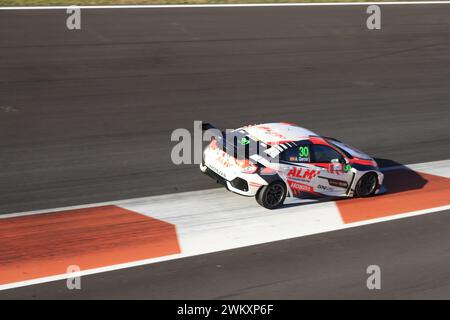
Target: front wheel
367 185
272 196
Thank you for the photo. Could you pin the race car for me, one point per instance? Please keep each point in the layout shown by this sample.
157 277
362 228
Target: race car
272 161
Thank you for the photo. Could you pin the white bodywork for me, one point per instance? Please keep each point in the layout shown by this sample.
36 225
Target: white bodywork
278 132
331 179
225 166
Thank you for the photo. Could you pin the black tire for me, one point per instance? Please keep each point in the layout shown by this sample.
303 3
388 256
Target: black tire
272 196
367 185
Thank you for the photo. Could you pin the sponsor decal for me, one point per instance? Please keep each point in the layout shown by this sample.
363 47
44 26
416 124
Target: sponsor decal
224 158
270 131
220 173
299 159
302 173
335 169
224 162
297 186
337 183
245 141
254 184
325 188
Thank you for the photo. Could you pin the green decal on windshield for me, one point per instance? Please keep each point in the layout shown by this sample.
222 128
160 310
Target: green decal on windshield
245 140
347 167
303 152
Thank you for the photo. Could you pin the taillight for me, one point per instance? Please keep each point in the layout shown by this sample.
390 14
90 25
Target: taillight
246 166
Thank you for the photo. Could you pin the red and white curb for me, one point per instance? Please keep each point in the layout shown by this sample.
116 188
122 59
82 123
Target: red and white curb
160 228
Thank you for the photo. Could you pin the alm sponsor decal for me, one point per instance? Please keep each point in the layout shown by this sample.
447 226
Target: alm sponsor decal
302 174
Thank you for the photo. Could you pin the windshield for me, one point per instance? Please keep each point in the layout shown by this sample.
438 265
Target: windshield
350 151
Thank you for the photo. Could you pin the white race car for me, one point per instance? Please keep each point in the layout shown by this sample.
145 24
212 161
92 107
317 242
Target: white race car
274 160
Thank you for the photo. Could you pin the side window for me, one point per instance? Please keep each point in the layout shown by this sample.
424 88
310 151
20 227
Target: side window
324 154
299 154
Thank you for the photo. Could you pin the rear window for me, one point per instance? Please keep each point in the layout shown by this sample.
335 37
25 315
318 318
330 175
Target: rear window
325 154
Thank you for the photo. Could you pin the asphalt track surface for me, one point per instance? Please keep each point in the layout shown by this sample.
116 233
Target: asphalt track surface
86 116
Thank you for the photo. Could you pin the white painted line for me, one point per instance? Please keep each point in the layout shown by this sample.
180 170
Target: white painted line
236 5
89 272
398 216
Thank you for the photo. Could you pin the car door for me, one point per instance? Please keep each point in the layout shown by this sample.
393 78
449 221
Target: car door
297 169
335 175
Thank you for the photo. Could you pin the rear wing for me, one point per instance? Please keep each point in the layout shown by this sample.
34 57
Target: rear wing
236 143
208 126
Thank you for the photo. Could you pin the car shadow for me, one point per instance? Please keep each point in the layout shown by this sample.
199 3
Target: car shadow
397 178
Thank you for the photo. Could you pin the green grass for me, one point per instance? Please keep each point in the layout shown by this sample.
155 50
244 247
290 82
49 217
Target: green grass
118 2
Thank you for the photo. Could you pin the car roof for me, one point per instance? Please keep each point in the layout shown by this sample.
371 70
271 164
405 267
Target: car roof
278 132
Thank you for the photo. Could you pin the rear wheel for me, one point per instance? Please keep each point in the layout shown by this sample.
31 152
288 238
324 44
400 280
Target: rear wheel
367 185
272 196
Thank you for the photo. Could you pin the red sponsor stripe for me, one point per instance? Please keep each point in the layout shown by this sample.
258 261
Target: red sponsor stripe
298 187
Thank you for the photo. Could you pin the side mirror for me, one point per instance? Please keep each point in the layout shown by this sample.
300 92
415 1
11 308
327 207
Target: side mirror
347 165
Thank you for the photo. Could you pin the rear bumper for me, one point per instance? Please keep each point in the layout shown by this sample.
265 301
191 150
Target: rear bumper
237 185
214 176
